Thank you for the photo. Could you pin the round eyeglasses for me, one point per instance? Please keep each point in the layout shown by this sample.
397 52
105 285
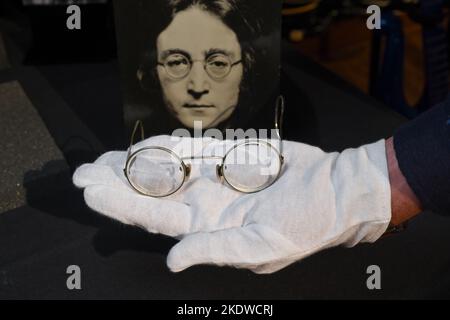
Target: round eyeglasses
217 66
249 166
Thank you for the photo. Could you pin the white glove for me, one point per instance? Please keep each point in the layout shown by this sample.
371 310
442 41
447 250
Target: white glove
320 200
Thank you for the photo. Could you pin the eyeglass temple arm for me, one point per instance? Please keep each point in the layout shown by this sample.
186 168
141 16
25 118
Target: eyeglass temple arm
138 125
279 116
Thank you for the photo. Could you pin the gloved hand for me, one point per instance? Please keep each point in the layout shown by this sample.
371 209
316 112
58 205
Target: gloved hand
320 200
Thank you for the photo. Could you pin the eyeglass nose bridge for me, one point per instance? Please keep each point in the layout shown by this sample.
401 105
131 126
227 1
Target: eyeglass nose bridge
219 172
188 169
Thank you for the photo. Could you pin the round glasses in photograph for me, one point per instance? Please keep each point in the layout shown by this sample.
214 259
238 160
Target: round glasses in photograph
217 66
156 171
251 166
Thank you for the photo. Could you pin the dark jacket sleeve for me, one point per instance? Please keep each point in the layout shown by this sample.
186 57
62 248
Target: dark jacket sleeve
422 147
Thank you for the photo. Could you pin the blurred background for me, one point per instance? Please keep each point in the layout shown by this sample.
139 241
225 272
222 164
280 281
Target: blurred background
404 64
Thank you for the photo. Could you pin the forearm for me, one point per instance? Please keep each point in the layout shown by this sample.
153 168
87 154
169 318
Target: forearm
404 203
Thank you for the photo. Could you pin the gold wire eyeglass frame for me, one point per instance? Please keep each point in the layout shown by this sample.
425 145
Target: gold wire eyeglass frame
186 168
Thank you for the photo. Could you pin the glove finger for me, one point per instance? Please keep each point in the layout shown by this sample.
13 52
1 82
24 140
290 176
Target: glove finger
241 247
93 174
152 214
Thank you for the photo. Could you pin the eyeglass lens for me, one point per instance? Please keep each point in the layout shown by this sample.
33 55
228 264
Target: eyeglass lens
156 172
251 167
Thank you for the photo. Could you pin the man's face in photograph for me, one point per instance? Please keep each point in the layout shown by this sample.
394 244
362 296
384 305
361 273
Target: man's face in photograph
199 68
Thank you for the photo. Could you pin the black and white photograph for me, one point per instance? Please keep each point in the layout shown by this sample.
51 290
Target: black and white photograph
182 61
